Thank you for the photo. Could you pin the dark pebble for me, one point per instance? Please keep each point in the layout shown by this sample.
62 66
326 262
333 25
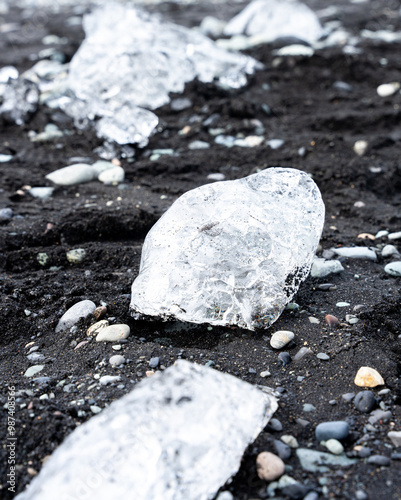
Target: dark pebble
326 287
284 358
379 460
295 490
364 452
332 430
282 449
365 401
396 456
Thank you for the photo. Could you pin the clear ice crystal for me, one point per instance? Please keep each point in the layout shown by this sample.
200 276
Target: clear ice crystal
232 252
20 100
131 60
178 435
275 19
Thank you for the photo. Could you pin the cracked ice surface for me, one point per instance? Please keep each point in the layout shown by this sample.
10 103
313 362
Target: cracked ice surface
232 252
130 61
179 435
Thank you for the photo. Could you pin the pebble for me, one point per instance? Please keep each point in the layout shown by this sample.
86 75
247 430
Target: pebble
381 234
364 452
381 460
379 415
281 338
289 440
282 449
74 314
5 158
216 177
348 397
321 267
6 213
395 437
269 466
265 374
365 401
275 143
308 407
389 250
43 193
313 320
198 145
225 495
76 256
295 491
360 147
317 461
334 446
359 204
330 319
351 319
394 268
109 379
343 304
154 362
72 175
368 377
395 236
332 430
116 347
388 89
356 253
360 495
113 175
113 333
96 327
323 356
275 425
366 236
117 360
301 353
42 258
33 370
101 166
312 495
100 312
95 409
35 356
284 358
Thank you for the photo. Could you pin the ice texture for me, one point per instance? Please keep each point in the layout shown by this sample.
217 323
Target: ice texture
20 100
178 435
232 252
276 18
131 60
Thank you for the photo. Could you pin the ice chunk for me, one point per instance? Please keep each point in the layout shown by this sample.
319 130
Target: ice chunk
275 19
232 252
178 435
20 100
119 76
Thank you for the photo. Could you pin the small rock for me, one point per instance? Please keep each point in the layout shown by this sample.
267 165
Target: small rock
323 356
72 175
216 177
113 175
225 495
180 103
265 374
284 358
269 466
76 256
275 143
379 416
389 250
289 440
282 449
5 158
275 425
388 89
295 491
334 446
343 304
100 312
317 461
351 319
301 353
200 145
116 360
313 320
95 409
360 495
359 204
312 495
33 370
360 147
364 452
113 333
368 377
348 397
43 193
6 213
281 339
101 166
308 407
356 253
395 236
154 362
74 314
109 379
366 236
381 234
35 357
332 430
380 460
365 401
394 268
395 437
321 267
96 327
330 319
42 258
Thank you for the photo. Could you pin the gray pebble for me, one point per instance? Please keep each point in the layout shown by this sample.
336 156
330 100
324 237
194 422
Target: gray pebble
332 430
74 314
281 338
308 407
284 358
381 460
116 360
113 333
321 267
35 356
394 268
282 450
33 370
72 175
275 425
154 362
348 397
295 491
326 287
76 256
365 401
396 456
378 415
356 253
312 495
364 452
6 213
332 402
180 104
360 495
323 356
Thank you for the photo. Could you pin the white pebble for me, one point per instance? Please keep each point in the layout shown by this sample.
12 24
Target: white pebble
381 234
281 339
216 177
389 250
265 374
343 304
43 193
313 320
360 147
291 441
96 327
394 268
334 446
74 314
388 89
113 333
76 256
351 319
355 252
33 370
321 267
109 379
116 360
275 143
72 175
101 166
395 236
114 175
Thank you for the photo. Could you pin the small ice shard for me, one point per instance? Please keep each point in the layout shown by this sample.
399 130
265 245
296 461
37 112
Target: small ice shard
275 19
178 435
232 252
20 101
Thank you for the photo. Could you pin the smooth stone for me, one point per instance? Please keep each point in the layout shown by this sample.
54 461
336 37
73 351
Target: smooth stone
379 415
35 356
380 460
317 461
76 256
79 310
117 360
72 175
360 495
394 268
389 250
96 327
282 449
364 452
381 234
6 213
199 145
269 466
154 362
312 495
275 143
388 89
348 397
295 491
356 253
289 440
351 319
302 421
323 356
365 401
225 495
43 193
395 236
343 304
308 407
285 358
101 166
113 175
368 377
100 312
281 339
360 147
95 409
33 370
109 379
275 425
395 437
113 333
265 374
216 177
180 104
321 267
313 320
330 319
332 430
334 446
5 158
301 353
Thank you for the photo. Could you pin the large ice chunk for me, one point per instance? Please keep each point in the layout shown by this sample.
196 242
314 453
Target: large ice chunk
179 435
131 60
276 18
233 252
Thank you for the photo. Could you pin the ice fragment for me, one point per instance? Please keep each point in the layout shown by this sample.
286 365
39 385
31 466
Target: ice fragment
232 252
178 435
20 100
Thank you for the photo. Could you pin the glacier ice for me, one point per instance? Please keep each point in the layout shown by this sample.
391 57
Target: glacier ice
20 100
178 435
232 252
273 19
